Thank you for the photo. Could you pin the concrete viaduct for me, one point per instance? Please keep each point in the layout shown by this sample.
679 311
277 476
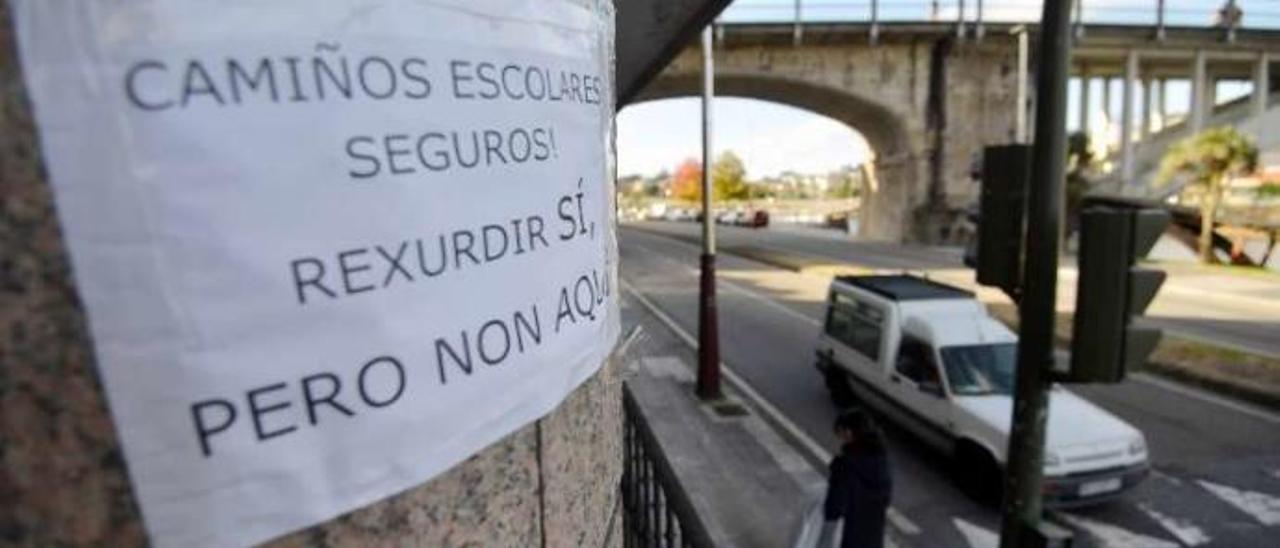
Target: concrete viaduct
928 98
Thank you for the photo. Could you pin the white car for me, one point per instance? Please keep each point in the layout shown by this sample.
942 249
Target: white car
930 358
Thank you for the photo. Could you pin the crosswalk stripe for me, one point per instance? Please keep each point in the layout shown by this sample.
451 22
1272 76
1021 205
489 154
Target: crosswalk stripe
1111 536
902 523
976 535
1185 531
1263 507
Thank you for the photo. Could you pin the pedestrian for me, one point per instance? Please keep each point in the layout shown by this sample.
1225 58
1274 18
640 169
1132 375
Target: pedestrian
860 485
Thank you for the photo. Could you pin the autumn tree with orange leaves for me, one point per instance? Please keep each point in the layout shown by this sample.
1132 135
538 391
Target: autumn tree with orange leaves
686 184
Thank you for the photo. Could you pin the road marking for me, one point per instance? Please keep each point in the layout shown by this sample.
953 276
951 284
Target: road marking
667 367
1186 532
902 523
1140 377
817 453
1207 397
1110 536
1155 472
1263 507
749 293
976 535
769 301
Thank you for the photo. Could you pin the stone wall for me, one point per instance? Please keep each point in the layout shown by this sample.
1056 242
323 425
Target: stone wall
63 480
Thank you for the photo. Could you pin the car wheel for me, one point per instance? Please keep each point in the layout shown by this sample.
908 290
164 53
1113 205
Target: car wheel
838 388
978 473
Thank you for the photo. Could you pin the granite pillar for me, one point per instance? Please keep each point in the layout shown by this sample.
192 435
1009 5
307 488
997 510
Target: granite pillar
63 481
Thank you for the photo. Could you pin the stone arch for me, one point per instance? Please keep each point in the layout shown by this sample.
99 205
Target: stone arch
887 209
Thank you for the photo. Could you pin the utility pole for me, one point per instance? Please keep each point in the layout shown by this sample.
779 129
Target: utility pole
1022 509
708 331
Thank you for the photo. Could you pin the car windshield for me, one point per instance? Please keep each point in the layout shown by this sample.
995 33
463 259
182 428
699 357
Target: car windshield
980 369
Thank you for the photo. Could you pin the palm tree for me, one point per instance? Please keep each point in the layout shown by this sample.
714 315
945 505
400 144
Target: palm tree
1210 159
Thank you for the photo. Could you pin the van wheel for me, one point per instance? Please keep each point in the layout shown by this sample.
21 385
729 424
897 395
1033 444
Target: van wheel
838 388
978 474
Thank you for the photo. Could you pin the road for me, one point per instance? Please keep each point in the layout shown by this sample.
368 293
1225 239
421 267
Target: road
1216 477
1241 312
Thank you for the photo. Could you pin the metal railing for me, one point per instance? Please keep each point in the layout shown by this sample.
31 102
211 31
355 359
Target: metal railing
1257 14
656 511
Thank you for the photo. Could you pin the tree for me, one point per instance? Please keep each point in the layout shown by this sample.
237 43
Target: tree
686 184
843 183
1268 191
728 177
1209 160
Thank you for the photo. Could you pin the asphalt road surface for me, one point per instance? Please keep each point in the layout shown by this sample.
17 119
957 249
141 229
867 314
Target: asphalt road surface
1241 312
1216 463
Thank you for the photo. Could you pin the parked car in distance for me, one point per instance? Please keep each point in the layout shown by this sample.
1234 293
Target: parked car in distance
730 217
758 218
929 358
678 214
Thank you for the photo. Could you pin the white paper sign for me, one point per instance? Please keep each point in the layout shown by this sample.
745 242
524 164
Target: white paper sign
328 249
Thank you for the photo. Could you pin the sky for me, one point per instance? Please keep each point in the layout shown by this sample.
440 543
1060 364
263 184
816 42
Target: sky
769 137
772 137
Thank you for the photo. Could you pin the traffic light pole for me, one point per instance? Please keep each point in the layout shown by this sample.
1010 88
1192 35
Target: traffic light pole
708 331
1022 508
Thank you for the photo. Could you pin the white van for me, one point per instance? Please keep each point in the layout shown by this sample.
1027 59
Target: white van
929 357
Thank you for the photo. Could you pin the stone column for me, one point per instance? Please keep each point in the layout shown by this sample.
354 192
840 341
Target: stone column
1199 89
1162 104
62 475
1127 116
1261 83
1106 101
1085 101
64 481
1210 94
1148 108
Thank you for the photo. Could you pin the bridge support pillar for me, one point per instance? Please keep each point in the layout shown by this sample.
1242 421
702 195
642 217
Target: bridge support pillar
1161 106
1106 114
1086 106
1199 93
1148 108
1127 117
1261 83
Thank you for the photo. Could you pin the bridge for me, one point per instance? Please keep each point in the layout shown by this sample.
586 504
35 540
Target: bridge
928 95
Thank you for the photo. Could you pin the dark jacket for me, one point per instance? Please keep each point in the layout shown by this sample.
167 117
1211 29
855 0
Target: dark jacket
859 490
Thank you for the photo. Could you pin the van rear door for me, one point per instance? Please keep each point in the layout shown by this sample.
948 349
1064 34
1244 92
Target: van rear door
855 329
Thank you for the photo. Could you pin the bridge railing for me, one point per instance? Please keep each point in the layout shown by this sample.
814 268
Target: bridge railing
1254 14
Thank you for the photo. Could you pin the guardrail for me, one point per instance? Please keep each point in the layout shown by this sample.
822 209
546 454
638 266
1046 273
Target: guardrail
1254 14
656 511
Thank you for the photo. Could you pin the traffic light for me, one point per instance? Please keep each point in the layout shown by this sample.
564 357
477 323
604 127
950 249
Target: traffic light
1006 170
1111 290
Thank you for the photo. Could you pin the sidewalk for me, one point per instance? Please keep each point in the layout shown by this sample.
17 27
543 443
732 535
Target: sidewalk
748 484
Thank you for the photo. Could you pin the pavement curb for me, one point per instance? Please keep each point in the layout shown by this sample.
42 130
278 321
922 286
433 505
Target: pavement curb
1254 394
795 262
1258 395
812 451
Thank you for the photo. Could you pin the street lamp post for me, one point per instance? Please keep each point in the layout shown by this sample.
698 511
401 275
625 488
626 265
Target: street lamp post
708 332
